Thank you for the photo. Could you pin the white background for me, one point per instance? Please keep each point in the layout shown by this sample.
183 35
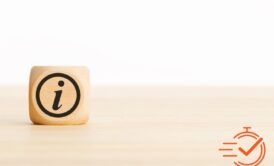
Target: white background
192 42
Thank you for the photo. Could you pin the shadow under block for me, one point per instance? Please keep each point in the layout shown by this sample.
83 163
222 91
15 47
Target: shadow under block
59 95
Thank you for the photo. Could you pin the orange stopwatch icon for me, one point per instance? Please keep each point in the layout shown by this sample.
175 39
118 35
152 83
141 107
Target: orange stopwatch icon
247 148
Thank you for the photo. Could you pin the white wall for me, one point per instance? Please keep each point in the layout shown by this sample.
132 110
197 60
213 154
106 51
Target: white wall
191 42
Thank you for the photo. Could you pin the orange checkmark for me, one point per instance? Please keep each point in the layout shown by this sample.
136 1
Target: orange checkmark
246 153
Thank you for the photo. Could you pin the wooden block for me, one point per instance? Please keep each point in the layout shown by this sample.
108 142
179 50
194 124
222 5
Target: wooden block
58 95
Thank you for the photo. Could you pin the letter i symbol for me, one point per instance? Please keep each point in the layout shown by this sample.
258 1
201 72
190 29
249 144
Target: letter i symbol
57 98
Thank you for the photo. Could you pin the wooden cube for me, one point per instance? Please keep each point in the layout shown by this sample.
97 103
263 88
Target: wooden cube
59 95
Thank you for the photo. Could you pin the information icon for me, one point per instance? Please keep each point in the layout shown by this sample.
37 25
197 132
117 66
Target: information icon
58 95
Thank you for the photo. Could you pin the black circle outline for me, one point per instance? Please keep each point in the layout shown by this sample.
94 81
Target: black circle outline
39 89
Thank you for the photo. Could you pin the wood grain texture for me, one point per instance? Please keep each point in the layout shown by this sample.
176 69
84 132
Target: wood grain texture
133 126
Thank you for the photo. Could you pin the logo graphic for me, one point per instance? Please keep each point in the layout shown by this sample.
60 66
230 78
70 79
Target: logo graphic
247 148
58 95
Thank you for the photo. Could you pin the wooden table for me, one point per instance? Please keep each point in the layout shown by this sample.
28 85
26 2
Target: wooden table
133 126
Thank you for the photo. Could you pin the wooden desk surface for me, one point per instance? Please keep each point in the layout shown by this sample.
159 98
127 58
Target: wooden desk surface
133 126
